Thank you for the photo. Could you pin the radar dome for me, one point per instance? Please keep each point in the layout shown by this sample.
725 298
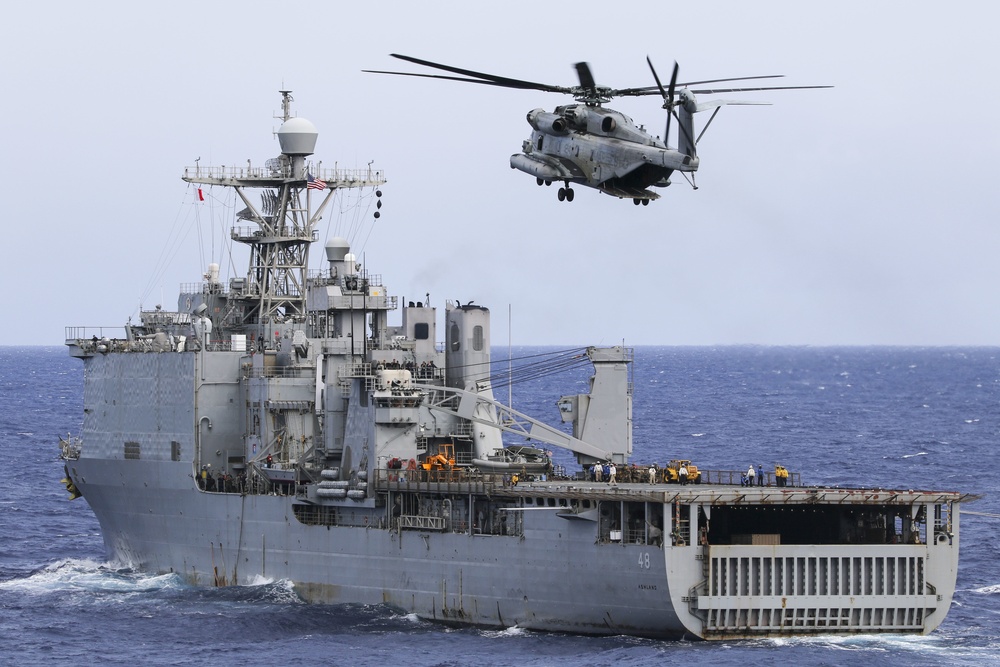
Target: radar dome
297 136
336 249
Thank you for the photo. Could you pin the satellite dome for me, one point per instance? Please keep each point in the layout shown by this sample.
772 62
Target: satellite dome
337 249
297 136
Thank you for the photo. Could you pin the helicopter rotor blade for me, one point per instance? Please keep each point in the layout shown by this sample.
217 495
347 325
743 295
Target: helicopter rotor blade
656 77
588 90
585 76
447 78
713 91
735 78
668 94
652 90
491 79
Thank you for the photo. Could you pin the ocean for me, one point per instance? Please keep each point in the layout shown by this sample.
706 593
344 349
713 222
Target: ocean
892 417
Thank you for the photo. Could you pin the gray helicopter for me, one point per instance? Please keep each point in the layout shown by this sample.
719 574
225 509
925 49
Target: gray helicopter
591 145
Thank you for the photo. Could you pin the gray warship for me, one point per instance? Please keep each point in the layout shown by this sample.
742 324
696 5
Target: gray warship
278 426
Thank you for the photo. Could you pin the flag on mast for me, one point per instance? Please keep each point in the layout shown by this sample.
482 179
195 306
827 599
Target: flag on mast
314 183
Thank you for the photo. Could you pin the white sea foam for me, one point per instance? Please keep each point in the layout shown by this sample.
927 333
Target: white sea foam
82 574
910 456
987 590
267 589
260 580
506 632
878 643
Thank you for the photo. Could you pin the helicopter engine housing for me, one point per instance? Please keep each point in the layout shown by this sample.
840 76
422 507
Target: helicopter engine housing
548 123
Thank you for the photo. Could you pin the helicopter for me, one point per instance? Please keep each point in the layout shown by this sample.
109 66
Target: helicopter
594 146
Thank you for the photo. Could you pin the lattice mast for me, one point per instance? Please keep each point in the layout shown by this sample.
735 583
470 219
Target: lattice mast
285 219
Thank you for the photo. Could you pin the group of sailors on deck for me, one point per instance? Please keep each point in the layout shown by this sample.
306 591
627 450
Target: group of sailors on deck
756 477
611 474
425 369
221 481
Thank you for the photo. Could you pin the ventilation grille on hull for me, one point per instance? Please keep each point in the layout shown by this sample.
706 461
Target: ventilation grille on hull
878 591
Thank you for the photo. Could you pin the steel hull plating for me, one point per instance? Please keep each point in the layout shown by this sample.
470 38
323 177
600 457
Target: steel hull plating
551 579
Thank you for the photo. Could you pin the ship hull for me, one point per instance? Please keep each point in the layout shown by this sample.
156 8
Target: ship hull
552 578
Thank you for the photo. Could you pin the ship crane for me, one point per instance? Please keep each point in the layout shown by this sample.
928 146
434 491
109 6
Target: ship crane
444 399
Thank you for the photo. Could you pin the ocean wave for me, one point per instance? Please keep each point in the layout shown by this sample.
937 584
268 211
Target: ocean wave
987 590
878 643
266 590
513 631
87 575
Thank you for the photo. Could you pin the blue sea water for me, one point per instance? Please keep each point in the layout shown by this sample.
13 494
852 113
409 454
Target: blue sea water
890 417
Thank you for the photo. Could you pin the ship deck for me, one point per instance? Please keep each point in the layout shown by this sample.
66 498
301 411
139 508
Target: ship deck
712 494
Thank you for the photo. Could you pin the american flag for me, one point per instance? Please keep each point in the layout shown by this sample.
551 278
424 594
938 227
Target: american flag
315 183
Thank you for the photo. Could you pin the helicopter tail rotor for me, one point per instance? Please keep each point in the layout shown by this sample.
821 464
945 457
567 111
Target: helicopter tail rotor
669 103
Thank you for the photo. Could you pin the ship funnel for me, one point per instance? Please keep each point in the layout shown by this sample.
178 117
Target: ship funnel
297 136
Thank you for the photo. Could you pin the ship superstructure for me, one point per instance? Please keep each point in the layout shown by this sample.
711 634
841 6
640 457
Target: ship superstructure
278 425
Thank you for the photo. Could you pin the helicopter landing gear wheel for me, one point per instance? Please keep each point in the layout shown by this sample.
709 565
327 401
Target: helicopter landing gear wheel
539 181
569 194
645 202
547 183
635 201
561 194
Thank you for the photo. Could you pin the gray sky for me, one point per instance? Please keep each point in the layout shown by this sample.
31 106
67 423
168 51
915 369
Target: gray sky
866 214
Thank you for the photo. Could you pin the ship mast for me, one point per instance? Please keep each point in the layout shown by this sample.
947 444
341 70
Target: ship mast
284 218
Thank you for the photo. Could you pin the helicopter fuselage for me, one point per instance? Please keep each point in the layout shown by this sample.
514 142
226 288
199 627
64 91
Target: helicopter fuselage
599 148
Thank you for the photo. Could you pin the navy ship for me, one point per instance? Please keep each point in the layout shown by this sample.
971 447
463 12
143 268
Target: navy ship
286 424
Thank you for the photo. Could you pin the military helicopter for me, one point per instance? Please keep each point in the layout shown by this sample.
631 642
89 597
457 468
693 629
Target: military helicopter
594 146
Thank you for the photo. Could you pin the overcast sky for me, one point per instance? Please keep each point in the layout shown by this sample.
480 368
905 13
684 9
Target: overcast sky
865 214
